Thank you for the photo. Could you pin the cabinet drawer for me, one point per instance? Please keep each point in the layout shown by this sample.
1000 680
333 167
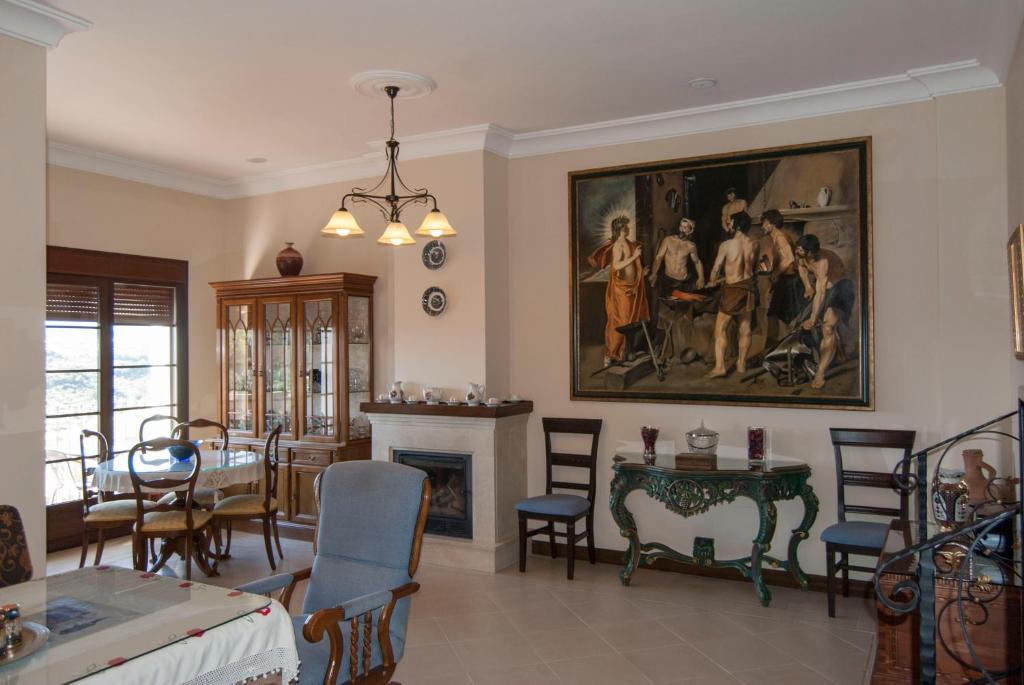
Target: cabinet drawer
314 457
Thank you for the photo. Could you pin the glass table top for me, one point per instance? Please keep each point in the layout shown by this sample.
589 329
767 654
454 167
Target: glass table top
102 616
728 459
161 461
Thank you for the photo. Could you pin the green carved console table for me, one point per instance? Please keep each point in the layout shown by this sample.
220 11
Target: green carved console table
691 491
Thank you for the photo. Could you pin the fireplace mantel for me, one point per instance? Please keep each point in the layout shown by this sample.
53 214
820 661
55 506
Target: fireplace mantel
494 438
481 411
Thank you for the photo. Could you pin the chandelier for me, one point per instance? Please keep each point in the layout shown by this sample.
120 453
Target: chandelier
390 196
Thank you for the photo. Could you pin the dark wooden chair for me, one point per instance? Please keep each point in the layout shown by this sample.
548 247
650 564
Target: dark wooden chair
205 497
166 520
101 511
262 507
563 508
862 537
15 562
172 420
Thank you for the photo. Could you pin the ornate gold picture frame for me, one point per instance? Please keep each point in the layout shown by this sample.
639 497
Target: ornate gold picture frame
1015 253
740 278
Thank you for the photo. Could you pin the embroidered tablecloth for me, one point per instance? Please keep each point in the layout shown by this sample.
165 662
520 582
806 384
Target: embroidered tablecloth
217 469
114 625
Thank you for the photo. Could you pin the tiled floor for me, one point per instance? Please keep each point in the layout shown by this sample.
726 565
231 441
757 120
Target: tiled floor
538 628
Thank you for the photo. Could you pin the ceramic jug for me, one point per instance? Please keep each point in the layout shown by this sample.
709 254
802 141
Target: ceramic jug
395 393
824 196
977 474
474 393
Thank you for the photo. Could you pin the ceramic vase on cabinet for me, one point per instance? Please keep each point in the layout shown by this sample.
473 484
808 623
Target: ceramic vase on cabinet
289 261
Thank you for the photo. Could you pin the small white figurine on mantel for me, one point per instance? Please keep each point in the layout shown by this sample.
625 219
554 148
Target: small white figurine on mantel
395 393
474 393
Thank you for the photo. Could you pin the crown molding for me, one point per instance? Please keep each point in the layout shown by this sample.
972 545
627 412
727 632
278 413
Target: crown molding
915 85
37 23
82 159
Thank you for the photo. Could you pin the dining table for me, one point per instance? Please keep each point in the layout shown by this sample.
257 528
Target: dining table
114 625
218 469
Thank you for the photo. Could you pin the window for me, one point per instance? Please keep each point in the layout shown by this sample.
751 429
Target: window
115 354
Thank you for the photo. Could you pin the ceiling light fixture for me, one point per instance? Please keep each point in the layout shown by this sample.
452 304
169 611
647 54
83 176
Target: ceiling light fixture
703 83
396 197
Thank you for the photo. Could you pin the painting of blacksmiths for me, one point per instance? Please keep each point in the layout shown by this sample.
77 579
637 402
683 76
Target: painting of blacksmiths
734 279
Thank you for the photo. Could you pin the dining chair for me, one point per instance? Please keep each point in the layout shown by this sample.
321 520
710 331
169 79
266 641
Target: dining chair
15 562
101 511
167 520
368 539
559 507
172 420
259 506
205 497
862 537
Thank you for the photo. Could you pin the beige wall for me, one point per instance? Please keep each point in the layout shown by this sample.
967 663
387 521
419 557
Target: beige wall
941 323
22 282
1015 158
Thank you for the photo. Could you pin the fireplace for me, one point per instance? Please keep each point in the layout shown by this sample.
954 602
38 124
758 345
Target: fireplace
451 500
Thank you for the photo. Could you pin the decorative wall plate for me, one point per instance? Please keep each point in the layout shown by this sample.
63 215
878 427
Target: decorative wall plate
434 255
434 301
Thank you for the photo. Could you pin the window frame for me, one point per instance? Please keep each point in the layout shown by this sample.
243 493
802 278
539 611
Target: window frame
103 269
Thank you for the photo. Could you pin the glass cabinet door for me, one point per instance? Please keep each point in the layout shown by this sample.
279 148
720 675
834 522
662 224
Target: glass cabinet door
278 365
359 366
319 321
239 366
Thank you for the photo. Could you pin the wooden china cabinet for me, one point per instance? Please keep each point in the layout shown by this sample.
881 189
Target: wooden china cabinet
297 351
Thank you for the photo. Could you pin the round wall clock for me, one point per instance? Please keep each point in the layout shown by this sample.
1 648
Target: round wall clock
434 301
434 255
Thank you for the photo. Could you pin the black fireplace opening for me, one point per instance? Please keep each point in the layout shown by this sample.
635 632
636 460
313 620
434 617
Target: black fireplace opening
451 495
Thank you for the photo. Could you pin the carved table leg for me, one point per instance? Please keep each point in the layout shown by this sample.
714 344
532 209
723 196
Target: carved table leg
810 501
627 526
762 543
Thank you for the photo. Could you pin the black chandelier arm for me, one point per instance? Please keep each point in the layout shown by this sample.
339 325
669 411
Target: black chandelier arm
360 198
402 183
415 200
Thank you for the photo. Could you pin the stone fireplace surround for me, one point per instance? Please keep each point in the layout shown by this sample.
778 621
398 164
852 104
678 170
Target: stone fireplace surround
496 440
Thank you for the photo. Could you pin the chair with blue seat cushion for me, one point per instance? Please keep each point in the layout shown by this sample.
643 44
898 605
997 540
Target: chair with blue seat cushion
372 517
862 537
563 508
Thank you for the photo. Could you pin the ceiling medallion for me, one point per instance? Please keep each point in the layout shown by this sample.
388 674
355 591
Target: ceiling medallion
391 195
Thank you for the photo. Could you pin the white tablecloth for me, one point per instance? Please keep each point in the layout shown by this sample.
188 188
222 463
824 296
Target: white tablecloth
146 629
218 469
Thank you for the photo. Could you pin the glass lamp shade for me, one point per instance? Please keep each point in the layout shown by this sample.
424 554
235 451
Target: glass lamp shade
396 234
435 224
342 225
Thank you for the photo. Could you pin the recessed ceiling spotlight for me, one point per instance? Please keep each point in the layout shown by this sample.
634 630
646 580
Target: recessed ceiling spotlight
703 83
257 160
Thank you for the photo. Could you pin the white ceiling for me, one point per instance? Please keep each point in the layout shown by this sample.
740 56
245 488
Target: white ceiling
199 86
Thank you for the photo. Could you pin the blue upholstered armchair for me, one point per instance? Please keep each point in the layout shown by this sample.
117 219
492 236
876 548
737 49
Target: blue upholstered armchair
367 548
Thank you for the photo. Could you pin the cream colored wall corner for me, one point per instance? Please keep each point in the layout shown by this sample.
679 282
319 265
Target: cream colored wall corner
1015 171
23 284
941 306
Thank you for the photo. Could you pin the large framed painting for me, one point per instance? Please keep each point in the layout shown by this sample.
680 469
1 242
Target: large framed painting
742 278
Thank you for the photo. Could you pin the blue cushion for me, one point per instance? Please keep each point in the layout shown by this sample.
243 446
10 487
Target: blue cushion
554 505
857 533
